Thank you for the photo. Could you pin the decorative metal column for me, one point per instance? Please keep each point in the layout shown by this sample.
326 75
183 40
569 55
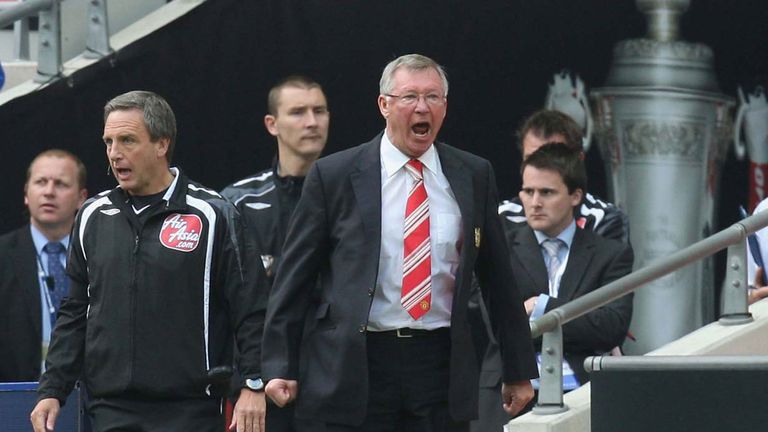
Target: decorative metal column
663 128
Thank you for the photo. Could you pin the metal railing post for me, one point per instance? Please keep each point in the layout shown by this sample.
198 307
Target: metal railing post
97 44
49 51
550 399
735 298
21 39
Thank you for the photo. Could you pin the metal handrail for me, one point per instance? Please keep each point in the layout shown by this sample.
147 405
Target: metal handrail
730 362
22 10
735 306
49 63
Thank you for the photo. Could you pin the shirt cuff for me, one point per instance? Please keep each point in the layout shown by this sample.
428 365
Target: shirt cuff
541 306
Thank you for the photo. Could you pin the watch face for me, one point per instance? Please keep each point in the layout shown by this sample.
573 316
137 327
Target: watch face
254 384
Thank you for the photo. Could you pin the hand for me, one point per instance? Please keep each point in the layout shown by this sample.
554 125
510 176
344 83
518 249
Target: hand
760 291
43 417
250 411
516 396
282 391
530 304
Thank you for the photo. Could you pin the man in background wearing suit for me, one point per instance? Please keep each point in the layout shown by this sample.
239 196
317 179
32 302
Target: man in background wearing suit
394 228
546 126
32 260
555 262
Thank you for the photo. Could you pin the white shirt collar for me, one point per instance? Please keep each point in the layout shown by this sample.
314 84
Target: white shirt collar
392 159
39 239
565 235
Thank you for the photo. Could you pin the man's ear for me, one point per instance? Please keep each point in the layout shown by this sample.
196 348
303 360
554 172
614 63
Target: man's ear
269 123
576 197
384 106
83 195
162 146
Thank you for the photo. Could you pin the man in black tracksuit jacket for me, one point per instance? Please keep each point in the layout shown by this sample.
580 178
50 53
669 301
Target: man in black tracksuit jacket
298 118
157 292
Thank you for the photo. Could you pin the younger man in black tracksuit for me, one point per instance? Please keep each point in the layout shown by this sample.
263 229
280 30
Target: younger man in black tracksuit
298 117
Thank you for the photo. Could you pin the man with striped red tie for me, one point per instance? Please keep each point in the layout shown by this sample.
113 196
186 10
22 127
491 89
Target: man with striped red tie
394 229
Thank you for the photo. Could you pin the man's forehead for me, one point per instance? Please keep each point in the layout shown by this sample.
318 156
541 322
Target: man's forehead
53 167
541 178
301 95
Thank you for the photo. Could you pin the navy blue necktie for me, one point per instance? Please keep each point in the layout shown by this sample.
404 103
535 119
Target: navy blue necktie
56 273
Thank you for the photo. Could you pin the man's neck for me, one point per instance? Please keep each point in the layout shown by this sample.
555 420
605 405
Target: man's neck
53 233
294 166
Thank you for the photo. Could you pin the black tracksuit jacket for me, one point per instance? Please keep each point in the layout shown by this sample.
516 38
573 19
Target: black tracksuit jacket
154 305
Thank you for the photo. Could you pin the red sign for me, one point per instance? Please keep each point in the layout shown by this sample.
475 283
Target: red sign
181 232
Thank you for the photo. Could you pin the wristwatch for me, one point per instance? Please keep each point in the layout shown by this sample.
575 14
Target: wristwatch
254 384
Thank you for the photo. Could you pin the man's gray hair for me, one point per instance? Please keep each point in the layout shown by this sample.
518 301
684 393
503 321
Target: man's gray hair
411 62
158 115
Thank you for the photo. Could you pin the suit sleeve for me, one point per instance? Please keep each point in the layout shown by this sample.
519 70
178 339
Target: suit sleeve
605 327
506 311
306 247
64 362
243 278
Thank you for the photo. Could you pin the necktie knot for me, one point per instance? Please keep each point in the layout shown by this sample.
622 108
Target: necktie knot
552 246
54 248
414 168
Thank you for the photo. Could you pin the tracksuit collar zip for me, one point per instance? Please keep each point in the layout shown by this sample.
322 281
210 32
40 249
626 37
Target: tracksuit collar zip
175 199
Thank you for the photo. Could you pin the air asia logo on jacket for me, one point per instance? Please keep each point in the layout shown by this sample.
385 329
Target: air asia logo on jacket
181 232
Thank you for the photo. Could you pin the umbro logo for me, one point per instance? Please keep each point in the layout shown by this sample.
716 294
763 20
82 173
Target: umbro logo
110 212
258 205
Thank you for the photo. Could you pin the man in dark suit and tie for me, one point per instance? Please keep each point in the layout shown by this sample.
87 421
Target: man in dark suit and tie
555 262
32 259
394 229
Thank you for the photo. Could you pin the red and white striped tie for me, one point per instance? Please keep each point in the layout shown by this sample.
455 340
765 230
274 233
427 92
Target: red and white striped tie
416 296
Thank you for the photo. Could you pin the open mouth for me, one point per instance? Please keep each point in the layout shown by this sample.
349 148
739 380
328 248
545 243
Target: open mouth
121 173
421 129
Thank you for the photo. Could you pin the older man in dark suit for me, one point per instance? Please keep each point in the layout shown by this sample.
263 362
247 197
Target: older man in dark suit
32 259
394 229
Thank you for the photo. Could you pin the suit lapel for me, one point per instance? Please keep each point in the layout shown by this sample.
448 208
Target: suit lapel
579 257
528 252
26 270
461 186
366 184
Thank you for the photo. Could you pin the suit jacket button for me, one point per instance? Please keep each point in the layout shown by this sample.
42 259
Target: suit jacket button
370 292
361 329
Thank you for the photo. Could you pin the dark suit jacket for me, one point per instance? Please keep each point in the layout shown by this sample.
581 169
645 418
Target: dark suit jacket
20 320
592 263
336 233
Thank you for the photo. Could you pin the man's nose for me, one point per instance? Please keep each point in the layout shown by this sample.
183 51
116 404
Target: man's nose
113 153
421 103
536 200
49 188
311 119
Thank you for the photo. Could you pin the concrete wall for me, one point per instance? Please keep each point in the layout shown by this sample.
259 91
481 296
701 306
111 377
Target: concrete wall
713 339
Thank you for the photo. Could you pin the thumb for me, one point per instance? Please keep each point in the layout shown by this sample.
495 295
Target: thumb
50 422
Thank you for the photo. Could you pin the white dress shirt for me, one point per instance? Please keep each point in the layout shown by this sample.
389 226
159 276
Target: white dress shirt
566 236
444 234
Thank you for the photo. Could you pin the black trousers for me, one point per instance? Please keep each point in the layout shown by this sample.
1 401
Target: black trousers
141 415
408 386
279 419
